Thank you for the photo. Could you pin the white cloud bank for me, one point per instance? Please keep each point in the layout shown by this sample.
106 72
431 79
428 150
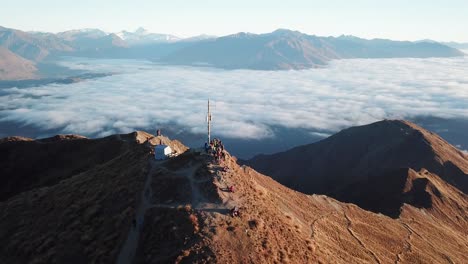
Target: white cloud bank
247 103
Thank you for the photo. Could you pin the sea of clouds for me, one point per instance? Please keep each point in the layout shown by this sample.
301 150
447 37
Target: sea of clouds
246 103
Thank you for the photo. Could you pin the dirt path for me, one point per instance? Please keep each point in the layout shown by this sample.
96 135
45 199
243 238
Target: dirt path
314 243
351 232
408 247
189 173
127 253
198 201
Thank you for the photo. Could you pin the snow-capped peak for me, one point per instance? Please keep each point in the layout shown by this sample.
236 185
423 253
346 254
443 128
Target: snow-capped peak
142 36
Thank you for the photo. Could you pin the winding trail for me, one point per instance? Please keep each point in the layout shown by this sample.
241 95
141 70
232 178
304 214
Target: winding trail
189 173
127 252
408 247
312 225
351 232
313 232
198 202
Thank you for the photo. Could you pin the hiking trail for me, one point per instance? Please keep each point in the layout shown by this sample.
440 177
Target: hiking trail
197 201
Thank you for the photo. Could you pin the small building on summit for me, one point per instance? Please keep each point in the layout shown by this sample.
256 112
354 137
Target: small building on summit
162 152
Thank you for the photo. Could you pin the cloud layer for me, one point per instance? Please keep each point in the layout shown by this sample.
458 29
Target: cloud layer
246 103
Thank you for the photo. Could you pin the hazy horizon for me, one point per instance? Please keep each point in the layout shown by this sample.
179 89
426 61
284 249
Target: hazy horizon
232 33
398 20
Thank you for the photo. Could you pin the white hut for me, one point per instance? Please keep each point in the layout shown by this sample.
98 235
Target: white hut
162 152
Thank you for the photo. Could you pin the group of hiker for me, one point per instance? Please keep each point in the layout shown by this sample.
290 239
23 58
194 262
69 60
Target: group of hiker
216 149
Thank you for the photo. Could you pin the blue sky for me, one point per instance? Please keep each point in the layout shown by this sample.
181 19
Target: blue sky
444 20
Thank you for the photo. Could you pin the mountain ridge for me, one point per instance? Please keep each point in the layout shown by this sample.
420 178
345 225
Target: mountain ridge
87 217
281 49
366 157
286 49
13 66
141 37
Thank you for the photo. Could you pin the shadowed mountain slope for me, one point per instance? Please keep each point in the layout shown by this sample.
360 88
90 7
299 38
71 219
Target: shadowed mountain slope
70 199
360 163
26 164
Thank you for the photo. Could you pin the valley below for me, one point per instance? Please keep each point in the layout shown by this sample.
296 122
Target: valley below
109 96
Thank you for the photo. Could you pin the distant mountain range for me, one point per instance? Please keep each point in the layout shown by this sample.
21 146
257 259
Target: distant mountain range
456 45
453 44
286 49
278 50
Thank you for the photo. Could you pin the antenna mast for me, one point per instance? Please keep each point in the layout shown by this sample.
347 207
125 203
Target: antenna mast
208 119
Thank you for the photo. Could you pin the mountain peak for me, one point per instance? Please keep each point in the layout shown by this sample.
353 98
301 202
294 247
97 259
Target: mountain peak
284 31
93 31
241 35
444 151
368 158
142 36
349 37
141 30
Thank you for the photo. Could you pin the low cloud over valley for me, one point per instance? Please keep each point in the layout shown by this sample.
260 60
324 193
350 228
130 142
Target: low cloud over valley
246 103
